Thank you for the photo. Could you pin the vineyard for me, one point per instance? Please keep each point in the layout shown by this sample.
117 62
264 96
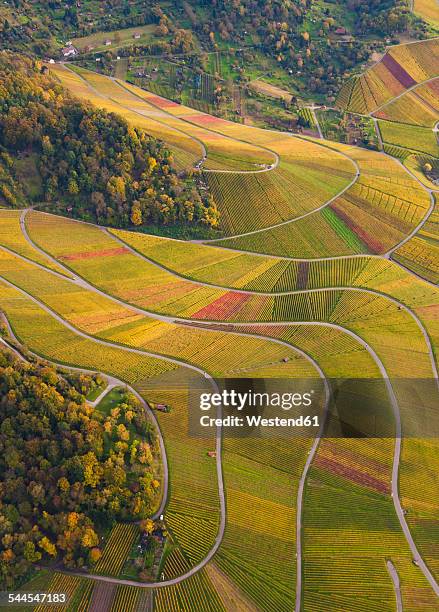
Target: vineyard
421 253
254 273
420 106
276 196
428 10
301 183
385 201
412 137
328 270
401 68
116 549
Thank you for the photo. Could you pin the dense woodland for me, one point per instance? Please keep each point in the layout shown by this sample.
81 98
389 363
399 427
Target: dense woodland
67 471
42 20
282 29
92 164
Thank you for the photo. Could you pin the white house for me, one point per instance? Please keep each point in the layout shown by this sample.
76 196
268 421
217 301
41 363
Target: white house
70 51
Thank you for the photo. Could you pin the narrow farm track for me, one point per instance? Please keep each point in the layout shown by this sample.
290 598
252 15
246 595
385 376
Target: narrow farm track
112 384
300 493
206 153
12 349
427 215
396 585
316 121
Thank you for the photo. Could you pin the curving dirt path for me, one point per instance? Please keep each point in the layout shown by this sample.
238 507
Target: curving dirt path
164 114
396 584
392 396
294 219
205 151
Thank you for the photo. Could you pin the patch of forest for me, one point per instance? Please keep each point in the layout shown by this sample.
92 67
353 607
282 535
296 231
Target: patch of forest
91 163
68 471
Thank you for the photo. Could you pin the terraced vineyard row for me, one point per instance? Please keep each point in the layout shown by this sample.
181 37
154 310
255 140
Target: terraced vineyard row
116 549
421 253
195 593
372 216
428 10
256 273
402 67
273 197
12 238
412 137
420 106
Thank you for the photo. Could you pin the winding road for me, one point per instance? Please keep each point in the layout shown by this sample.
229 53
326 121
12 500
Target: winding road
249 326
221 492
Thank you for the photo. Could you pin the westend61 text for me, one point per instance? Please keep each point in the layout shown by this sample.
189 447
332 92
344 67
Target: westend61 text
259 421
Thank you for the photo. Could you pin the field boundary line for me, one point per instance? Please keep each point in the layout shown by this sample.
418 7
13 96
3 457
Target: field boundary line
221 494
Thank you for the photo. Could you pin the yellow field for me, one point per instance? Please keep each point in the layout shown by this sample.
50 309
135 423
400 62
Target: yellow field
119 38
12 237
428 10
267 89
